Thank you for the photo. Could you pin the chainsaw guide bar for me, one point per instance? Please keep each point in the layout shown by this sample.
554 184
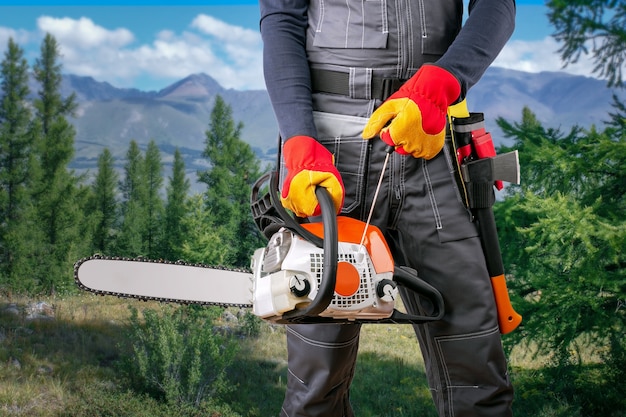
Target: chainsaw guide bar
188 280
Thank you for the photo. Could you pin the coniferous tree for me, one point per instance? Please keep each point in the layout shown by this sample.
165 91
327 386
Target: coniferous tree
597 27
205 241
153 168
175 210
130 241
234 168
103 205
59 202
17 171
563 232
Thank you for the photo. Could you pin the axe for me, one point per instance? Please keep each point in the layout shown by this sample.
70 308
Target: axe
479 176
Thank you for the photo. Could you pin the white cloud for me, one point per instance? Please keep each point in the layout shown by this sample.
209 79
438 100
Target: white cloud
83 33
230 54
20 37
538 56
225 32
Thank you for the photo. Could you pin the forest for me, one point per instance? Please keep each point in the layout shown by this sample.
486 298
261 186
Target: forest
53 217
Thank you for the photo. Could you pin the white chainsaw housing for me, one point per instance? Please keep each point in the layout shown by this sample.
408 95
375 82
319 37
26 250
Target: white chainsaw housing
288 272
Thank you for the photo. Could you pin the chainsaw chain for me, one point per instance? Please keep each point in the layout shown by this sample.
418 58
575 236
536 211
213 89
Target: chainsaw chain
157 261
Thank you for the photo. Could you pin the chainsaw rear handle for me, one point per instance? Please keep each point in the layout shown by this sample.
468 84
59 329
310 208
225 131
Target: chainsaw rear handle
407 277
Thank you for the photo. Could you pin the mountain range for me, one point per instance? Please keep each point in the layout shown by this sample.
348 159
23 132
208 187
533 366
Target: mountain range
179 115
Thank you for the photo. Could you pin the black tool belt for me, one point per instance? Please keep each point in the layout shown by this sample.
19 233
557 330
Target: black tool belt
335 82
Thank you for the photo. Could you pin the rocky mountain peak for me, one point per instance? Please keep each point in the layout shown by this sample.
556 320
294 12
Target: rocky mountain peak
193 86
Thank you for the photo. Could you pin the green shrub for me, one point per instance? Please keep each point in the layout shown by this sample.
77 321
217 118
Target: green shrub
176 356
250 324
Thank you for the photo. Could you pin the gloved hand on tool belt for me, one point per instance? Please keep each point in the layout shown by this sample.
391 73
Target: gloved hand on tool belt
413 119
309 164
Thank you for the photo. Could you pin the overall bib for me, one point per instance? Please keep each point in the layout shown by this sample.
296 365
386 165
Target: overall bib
359 52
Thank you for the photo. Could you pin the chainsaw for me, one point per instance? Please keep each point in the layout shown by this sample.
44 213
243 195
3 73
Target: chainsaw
339 270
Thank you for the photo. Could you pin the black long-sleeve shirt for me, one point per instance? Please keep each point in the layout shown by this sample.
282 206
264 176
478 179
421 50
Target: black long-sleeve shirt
283 27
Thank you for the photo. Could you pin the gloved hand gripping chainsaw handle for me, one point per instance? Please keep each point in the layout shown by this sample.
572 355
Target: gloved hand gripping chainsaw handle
270 216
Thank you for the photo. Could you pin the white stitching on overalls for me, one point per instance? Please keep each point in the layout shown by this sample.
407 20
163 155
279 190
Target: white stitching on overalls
347 23
457 338
300 380
352 82
318 27
385 23
409 58
363 25
431 195
327 345
368 83
401 50
423 21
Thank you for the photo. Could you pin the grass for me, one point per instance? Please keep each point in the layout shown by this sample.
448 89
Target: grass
70 366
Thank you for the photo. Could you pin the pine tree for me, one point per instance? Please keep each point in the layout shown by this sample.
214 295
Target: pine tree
234 168
153 168
175 210
16 171
596 27
58 201
134 191
564 233
205 241
103 205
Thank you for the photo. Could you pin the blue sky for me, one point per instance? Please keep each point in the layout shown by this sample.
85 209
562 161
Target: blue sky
149 44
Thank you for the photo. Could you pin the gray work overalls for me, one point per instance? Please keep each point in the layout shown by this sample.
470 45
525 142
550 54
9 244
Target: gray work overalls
353 46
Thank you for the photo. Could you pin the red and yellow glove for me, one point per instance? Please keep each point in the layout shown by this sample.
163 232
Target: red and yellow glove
309 164
413 119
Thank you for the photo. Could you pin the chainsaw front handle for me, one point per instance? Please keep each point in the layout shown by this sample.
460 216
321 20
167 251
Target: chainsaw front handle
269 209
330 245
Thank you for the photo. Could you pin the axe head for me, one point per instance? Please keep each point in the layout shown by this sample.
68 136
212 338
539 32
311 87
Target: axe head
503 167
506 167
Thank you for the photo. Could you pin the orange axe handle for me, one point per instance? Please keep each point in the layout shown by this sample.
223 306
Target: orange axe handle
508 319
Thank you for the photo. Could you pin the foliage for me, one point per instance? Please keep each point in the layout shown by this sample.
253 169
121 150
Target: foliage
234 168
134 192
177 191
617 120
564 234
16 165
56 195
52 217
204 242
568 391
103 204
596 25
72 367
250 324
178 356
153 178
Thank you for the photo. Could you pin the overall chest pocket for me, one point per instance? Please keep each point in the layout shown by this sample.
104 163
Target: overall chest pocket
354 24
440 22
341 135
